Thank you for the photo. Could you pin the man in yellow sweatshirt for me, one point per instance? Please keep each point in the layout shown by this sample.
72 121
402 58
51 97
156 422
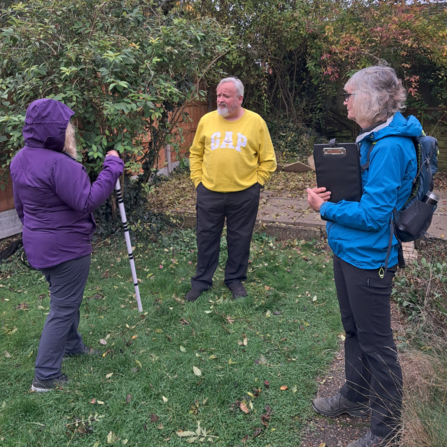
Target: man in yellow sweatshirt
231 158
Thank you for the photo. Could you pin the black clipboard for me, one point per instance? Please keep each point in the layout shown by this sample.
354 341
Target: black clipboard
338 169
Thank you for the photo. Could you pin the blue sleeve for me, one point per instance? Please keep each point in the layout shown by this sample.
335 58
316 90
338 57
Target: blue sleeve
373 212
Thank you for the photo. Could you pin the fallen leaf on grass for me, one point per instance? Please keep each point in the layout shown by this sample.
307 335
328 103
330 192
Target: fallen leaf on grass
111 438
268 314
229 319
244 407
183 434
159 331
266 383
154 417
283 388
197 371
257 432
109 375
262 360
164 399
245 438
103 342
213 357
134 337
128 398
100 402
139 363
7 355
93 401
182 349
294 389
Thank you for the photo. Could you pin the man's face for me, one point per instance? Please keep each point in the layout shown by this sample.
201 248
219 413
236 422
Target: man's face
228 102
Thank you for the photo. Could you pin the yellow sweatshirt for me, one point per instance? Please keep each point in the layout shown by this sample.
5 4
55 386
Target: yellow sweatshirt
228 156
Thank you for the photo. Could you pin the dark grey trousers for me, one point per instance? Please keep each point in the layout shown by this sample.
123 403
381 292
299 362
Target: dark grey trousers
60 334
240 209
371 363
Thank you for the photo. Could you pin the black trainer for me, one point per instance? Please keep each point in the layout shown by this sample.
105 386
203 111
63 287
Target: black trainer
193 294
238 291
336 405
43 386
369 440
85 351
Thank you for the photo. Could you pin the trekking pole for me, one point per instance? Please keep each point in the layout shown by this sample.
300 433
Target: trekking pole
128 243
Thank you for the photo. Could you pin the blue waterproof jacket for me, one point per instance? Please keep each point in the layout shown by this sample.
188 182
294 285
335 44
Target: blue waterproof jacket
359 232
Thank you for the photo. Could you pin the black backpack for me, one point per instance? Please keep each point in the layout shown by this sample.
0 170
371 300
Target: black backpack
412 221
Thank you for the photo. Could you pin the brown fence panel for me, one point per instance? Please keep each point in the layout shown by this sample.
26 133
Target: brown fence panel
195 112
6 197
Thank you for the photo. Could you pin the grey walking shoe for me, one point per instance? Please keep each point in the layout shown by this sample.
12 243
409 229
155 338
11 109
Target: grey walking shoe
43 386
369 440
85 351
336 405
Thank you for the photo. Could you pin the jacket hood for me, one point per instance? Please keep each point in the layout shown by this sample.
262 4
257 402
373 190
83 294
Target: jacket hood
45 124
395 126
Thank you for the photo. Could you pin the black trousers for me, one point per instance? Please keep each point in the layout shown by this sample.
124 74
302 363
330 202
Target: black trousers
60 333
371 363
240 209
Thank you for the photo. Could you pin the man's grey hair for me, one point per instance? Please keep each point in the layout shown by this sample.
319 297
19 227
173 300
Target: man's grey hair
237 83
378 94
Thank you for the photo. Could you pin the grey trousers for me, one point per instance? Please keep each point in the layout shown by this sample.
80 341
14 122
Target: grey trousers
60 334
372 367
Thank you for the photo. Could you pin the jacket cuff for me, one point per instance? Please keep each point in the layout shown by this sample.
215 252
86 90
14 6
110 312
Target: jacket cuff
323 210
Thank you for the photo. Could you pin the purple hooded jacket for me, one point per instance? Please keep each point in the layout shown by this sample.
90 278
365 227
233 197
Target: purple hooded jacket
53 195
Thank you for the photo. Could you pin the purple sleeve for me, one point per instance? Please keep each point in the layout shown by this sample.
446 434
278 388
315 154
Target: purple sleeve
18 204
72 184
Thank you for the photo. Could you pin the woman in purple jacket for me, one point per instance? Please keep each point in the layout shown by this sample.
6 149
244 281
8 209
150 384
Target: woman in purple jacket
54 199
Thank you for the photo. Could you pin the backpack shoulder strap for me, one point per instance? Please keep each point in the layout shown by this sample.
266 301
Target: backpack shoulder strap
366 165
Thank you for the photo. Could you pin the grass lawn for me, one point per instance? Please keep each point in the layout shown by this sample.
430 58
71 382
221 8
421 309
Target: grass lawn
217 362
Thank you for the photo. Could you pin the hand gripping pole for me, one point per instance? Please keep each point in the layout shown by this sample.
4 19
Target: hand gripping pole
128 243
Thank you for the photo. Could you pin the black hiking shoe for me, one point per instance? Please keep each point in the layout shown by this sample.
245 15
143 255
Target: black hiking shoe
193 294
369 440
336 405
238 291
43 386
85 351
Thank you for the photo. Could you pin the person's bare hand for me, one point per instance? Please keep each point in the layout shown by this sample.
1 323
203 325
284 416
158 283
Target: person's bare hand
112 153
316 197
325 195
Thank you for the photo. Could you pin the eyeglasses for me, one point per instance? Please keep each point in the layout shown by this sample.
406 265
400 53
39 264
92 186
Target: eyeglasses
347 95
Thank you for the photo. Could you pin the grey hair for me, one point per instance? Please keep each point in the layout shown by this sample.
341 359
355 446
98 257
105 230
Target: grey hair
237 83
70 141
378 94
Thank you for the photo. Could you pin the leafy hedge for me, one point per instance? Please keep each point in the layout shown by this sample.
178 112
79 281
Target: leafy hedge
127 68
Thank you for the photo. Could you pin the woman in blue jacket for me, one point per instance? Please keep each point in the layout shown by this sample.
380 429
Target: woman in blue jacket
358 234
